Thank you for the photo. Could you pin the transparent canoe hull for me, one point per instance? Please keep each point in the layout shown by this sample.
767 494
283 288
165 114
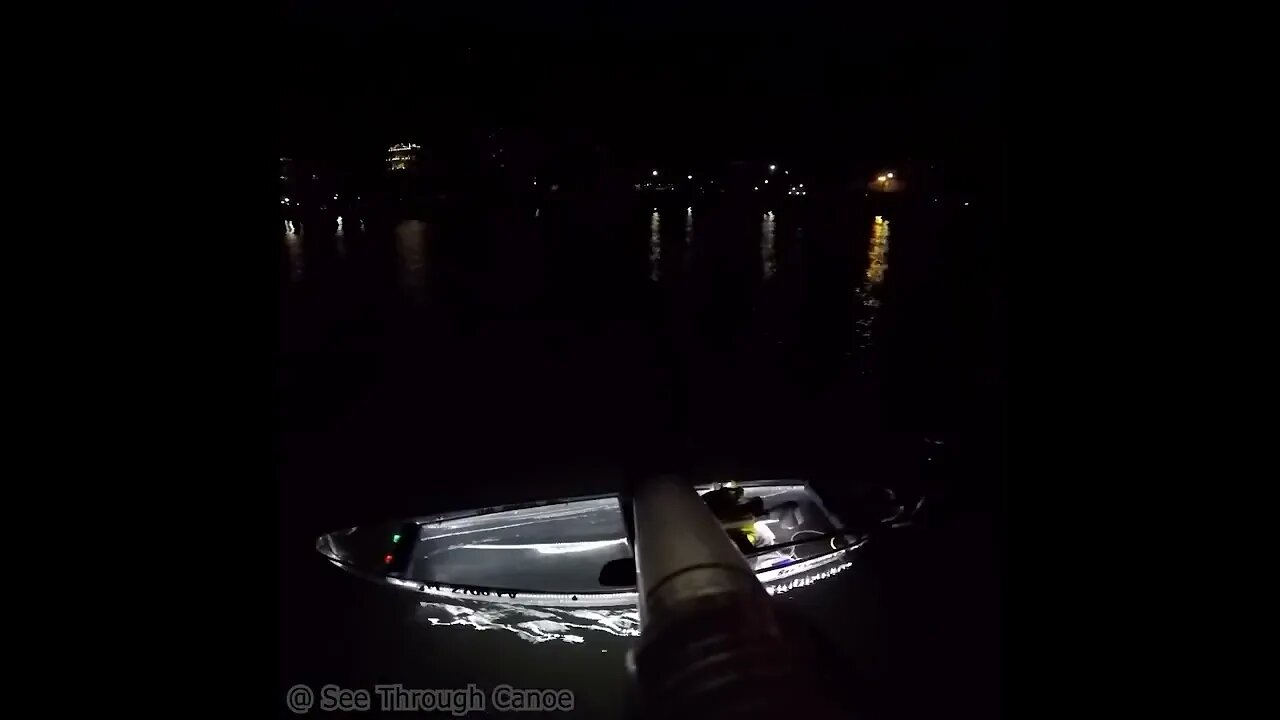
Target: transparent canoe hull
551 553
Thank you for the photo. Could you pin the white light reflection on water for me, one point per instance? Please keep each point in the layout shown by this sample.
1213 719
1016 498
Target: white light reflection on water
573 625
767 256
293 243
655 244
534 625
688 226
341 238
411 255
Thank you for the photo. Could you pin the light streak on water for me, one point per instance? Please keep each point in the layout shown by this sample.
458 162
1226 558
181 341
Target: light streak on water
293 242
877 265
411 255
767 256
655 244
877 254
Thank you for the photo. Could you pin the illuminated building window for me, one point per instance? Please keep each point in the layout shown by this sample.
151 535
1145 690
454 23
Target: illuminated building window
403 156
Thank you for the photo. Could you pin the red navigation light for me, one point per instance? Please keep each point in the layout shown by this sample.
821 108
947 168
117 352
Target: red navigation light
387 559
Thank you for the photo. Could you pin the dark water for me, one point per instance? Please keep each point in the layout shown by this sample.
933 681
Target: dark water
462 356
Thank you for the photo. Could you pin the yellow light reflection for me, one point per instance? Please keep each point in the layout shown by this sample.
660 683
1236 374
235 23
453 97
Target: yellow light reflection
877 253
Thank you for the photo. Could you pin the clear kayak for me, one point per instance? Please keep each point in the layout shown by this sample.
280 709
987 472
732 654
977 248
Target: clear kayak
551 553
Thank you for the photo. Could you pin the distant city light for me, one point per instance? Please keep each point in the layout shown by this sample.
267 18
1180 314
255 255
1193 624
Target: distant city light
766 182
889 175
655 173
756 188
690 209
690 177
335 196
966 204
786 172
801 184
772 168
882 178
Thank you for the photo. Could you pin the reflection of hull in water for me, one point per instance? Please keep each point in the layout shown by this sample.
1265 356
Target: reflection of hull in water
550 554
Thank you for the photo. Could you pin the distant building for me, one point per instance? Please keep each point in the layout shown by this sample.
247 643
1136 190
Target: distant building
402 157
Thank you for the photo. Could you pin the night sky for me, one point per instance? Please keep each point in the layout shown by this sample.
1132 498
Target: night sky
869 88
